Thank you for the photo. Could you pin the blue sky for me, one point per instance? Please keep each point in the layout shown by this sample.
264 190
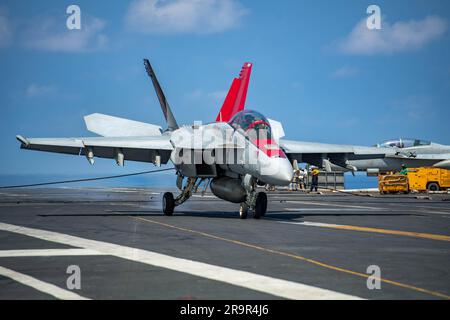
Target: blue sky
316 69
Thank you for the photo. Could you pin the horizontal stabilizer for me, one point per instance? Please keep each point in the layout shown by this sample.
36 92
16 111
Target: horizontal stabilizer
109 126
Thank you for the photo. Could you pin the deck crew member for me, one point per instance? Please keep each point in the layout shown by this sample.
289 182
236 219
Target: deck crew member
315 179
404 170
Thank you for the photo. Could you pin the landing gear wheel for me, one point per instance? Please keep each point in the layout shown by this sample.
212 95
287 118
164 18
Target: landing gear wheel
243 211
260 205
168 203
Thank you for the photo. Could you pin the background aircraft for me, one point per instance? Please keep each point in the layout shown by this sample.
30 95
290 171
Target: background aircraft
420 152
232 155
410 152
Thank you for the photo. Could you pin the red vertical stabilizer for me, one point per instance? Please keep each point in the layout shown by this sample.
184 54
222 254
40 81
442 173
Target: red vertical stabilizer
235 99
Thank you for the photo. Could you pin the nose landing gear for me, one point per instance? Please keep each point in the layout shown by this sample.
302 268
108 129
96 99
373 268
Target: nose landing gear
260 205
243 211
256 201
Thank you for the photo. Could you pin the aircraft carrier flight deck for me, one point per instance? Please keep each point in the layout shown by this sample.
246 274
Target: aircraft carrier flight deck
332 245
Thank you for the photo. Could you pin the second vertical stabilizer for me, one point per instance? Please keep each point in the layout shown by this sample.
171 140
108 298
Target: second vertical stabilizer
235 99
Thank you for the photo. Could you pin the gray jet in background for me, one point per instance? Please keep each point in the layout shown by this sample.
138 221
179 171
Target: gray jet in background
410 152
387 156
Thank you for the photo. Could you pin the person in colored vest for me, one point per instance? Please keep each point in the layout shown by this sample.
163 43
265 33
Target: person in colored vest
315 179
404 170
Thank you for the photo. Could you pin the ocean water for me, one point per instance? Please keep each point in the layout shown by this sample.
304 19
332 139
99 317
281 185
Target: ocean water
359 181
158 180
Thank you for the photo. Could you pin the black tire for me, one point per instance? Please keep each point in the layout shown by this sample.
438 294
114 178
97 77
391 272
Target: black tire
433 186
168 203
260 206
243 211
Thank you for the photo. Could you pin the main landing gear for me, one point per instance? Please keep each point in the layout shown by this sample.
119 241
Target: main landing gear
254 201
169 202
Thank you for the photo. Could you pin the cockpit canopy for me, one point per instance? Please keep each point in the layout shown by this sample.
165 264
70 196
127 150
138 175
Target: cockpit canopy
403 143
256 128
252 123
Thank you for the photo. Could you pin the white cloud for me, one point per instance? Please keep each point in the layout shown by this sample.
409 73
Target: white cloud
48 35
36 90
400 36
184 16
344 72
5 29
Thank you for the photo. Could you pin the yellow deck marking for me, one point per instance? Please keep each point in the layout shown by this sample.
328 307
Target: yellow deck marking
374 230
297 257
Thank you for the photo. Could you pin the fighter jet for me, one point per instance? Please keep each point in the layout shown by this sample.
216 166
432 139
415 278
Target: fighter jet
412 153
417 152
232 155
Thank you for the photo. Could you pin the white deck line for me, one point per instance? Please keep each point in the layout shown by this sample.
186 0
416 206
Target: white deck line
333 205
269 285
39 285
48 253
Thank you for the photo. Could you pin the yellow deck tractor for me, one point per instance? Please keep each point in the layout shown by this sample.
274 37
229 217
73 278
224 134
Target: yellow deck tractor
393 183
418 179
428 179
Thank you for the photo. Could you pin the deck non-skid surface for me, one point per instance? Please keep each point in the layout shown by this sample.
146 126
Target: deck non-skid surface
309 246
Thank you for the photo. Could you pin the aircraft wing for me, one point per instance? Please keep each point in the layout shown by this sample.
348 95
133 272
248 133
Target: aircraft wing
316 153
144 149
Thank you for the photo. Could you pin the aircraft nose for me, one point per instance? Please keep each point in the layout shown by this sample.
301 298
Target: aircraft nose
279 172
286 173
